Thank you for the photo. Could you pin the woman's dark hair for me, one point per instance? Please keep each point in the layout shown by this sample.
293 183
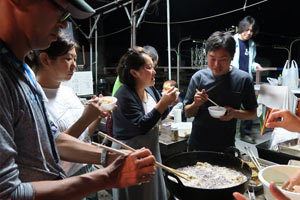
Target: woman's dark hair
132 59
245 23
220 40
60 47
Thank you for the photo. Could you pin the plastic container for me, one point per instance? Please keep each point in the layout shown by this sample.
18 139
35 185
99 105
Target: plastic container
184 129
177 115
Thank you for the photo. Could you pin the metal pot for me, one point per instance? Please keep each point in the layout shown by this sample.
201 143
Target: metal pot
215 158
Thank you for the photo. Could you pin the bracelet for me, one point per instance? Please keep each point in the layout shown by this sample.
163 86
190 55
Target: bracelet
103 157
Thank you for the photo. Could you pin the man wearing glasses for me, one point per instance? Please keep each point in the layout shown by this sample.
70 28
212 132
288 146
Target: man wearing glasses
30 145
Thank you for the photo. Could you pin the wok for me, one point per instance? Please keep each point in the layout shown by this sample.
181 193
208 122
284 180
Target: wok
215 158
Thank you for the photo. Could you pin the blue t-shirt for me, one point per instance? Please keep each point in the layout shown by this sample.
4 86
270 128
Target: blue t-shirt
232 89
244 55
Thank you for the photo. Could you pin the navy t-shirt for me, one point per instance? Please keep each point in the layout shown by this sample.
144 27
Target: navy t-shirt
244 55
232 89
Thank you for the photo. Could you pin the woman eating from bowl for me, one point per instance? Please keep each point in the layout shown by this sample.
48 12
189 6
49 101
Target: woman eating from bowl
53 66
135 122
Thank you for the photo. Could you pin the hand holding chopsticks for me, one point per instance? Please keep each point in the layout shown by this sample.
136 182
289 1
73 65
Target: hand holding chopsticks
209 99
130 169
125 146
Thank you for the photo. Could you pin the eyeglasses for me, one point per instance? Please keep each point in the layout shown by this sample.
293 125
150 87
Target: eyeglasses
65 14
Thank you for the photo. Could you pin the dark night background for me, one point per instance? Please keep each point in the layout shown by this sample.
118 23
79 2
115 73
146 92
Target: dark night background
278 22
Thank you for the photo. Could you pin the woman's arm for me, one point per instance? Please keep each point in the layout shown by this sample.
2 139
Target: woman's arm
90 117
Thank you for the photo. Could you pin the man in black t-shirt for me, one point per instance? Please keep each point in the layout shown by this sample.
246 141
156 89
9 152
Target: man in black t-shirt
228 87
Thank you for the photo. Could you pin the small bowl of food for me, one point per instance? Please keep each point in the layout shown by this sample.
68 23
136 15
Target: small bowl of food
108 103
169 87
216 111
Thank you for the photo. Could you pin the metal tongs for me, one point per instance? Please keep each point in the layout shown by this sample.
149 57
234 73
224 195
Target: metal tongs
253 158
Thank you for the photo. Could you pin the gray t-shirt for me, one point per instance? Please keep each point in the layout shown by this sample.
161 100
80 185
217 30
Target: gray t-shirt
27 139
232 89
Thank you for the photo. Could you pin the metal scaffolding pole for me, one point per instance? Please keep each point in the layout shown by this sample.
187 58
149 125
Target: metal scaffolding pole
169 41
91 53
96 57
133 26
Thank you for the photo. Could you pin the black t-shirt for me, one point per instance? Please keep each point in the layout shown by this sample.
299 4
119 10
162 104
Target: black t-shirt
232 89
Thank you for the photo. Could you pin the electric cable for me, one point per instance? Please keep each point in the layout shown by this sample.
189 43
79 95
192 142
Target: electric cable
209 17
187 21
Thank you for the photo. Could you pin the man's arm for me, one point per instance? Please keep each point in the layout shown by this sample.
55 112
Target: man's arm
238 114
73 150
123 172
191 110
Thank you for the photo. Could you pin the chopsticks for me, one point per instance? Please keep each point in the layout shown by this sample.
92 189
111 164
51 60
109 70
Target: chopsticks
109 148
266 119
253 158
209 99
125 146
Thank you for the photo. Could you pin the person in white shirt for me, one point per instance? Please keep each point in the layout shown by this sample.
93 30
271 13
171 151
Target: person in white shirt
53 66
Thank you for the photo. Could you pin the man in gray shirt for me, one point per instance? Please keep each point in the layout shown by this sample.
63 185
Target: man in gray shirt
30 145
228 87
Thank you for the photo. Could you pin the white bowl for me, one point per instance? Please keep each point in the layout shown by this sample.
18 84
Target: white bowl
108 103
216 111
277 174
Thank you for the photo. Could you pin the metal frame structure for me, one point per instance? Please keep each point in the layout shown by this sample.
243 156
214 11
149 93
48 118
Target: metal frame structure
107 8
